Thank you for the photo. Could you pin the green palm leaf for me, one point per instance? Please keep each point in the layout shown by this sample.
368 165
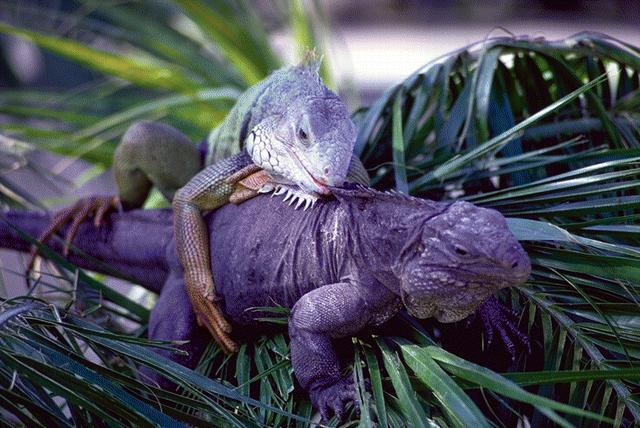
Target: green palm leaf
546 132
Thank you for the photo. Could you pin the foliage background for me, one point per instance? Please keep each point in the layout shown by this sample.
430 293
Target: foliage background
506 123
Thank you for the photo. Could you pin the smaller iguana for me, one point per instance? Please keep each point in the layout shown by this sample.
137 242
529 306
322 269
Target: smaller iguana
350 263
290 125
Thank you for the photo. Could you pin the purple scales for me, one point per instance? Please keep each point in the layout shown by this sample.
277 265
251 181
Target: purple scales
349 263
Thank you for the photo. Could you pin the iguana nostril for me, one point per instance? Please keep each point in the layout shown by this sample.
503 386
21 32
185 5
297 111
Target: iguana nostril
514 265
326 170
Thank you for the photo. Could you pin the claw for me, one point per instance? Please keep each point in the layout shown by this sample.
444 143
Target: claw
301 201
488 328
80 217
333 398
114 203
279 191
77 213
208 313
498 318
307 203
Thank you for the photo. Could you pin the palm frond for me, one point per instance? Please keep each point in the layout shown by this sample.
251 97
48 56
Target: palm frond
44 354
546 132
539 131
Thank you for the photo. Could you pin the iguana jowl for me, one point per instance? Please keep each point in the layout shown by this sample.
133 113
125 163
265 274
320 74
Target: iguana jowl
290 125
349 263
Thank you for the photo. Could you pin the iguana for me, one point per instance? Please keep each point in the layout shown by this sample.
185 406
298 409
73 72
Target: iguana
351 262
290 125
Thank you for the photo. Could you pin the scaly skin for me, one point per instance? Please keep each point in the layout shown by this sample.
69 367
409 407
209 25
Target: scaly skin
294 128
211 190
289 124
350 263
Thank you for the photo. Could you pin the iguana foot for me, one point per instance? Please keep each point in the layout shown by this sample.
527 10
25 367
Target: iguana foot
496 316
332 399
248 184
209 315
96 206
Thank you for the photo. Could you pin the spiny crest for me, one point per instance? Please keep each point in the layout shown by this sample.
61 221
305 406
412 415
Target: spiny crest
312 60
362 191
294 84
291 194
310 66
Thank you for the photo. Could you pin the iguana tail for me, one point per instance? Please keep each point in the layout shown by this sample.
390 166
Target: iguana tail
129 245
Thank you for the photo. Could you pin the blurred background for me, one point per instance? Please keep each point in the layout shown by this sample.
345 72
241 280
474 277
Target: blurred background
372 43
368 45
511 109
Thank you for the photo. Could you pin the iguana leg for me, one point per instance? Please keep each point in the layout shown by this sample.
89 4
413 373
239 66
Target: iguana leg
246 187
326 313
248 181
76 213
150 154
208 190
244 173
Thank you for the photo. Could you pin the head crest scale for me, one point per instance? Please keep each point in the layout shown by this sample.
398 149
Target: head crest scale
312 60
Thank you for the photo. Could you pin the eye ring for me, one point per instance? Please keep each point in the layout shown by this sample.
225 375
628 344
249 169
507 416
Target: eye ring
303 135
461 251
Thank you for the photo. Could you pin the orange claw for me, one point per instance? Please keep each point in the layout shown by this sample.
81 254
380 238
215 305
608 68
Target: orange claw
78 212
209 315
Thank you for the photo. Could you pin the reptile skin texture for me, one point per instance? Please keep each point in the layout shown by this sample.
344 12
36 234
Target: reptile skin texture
290 125
208 189
352 262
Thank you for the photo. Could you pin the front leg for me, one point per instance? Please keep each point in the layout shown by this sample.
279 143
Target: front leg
331 312
252 180
496 316
208 190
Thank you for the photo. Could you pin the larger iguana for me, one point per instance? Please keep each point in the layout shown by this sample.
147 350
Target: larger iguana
351 262
290 125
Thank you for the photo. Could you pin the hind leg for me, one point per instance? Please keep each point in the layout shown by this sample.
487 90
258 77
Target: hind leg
153 154
149 154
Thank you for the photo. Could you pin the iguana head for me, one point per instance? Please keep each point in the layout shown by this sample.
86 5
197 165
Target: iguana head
307 137
455 259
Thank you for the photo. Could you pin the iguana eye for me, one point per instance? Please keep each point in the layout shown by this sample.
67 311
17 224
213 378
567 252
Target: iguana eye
461 251
302 134
420 247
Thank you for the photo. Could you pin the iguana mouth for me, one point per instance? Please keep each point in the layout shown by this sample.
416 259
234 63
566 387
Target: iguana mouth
321 183
321 186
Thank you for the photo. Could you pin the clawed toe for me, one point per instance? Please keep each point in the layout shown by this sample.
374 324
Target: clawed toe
77 214
223 339
496 317
211 317
105 206
333 399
